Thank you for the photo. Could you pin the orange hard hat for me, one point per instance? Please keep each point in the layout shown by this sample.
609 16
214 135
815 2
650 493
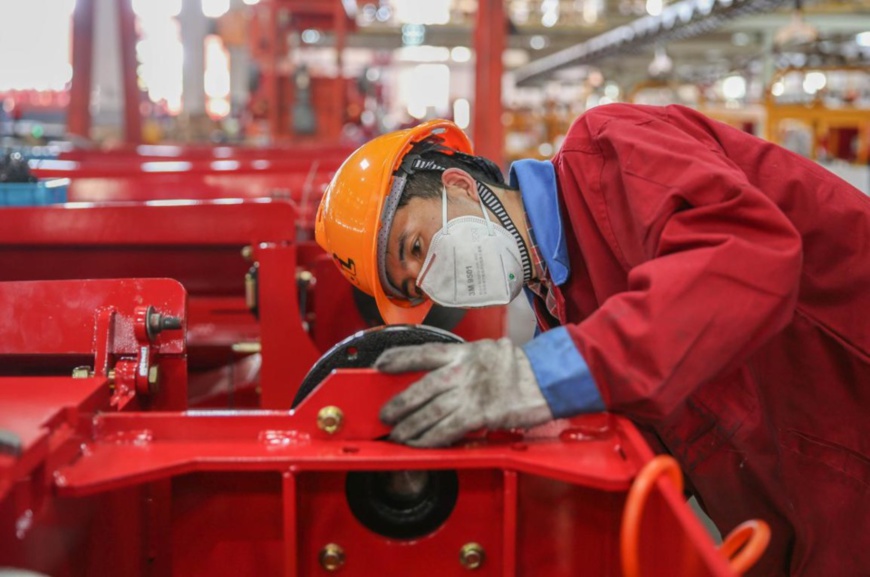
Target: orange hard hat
356 212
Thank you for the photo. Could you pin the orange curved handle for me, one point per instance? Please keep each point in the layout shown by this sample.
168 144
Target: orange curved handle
745 544
634 505
742 547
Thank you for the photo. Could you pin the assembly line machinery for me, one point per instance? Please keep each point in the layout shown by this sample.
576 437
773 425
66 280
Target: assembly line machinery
105 471
203 404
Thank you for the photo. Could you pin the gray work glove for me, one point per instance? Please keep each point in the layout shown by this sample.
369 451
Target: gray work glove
483 384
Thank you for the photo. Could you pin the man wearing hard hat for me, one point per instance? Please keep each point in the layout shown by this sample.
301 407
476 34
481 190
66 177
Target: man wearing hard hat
711 286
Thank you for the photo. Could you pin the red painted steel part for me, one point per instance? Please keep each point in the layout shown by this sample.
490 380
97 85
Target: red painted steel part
263 493
200 244
100 485
95 491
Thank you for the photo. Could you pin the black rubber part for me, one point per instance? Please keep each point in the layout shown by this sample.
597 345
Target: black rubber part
439 317
362 349
397 516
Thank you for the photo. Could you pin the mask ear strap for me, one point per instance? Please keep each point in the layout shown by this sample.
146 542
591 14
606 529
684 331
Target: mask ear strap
488 197
444 210
490 228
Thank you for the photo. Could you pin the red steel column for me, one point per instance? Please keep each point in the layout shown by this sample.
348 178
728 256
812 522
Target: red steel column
489 42
132 114
271 73
78 112
340 88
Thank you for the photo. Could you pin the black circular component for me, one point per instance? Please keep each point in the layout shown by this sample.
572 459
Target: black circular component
440 317
362 349
402 504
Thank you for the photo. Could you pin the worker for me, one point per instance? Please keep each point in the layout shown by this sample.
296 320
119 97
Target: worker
710 286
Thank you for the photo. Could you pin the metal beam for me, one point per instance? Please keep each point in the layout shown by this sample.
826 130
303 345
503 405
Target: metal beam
78 113
828 23
132 101
677 21
489 42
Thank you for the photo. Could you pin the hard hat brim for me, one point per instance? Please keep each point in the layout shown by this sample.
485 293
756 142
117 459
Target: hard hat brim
394 314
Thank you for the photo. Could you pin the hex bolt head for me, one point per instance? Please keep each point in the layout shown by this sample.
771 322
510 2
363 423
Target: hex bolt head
471 556
332 557
329 419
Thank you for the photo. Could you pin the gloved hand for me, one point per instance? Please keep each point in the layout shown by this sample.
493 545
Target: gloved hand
471 385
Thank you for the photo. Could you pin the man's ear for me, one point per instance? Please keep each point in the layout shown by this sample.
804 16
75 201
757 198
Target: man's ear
457 181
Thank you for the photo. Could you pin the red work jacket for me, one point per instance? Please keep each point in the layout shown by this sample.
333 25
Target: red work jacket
720 293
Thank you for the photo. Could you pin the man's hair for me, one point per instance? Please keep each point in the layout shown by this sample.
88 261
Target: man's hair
426 182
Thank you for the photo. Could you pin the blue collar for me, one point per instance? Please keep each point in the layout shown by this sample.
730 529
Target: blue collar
536 180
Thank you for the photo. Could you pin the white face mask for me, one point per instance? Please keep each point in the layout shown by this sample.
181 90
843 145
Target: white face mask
471 262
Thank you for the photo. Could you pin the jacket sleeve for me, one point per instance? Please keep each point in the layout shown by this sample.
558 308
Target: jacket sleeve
713 264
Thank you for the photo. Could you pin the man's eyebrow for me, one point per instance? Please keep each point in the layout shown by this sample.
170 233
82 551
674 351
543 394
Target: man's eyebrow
403 238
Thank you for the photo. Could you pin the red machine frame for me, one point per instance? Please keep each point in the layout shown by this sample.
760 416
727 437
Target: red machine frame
91 487
201 244
171 172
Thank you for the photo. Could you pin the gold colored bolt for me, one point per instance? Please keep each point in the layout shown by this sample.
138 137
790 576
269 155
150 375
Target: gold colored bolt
248 253
153 375
471 556
81 372
304 276
332 557
329 419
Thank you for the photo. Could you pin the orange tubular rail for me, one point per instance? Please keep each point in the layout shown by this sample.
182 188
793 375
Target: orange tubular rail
742 547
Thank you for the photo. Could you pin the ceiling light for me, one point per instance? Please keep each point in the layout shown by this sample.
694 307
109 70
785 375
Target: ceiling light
863 39
368 14
549 13
413 34
460 54
661 64
310 36
215 8
734 87
591 10
383 14
538 42
520 12
814 81
429 12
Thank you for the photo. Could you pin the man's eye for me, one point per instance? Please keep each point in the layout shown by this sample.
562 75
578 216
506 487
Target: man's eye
416 249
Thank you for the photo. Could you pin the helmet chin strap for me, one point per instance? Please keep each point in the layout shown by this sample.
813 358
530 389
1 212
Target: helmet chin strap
493 203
